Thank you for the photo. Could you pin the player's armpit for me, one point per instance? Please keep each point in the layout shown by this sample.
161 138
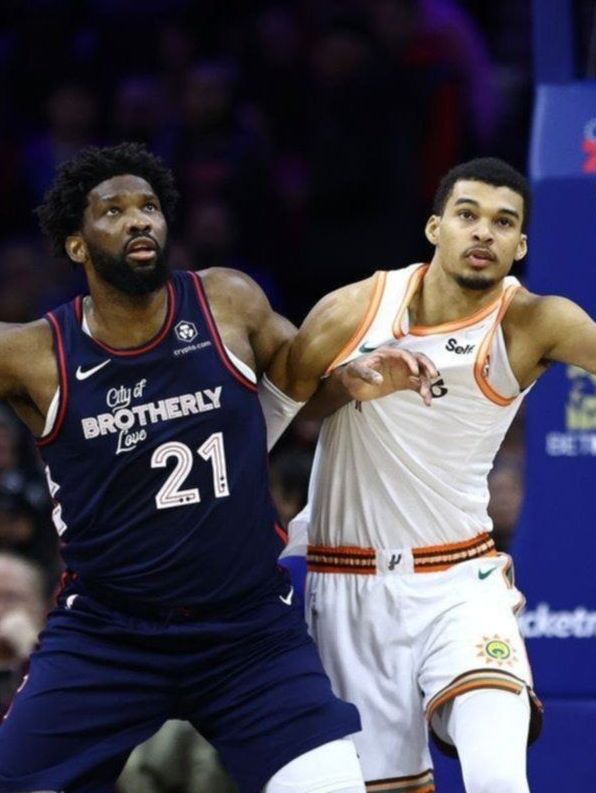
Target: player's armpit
568 333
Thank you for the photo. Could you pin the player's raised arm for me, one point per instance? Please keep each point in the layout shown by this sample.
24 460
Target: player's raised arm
568 333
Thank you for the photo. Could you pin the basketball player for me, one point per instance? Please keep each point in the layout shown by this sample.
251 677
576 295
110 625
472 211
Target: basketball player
411 606
142 396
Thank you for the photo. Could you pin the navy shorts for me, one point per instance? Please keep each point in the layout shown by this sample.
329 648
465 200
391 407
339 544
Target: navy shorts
103 681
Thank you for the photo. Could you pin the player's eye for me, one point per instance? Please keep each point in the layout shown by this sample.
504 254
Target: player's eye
466 214
504 222
113 211
151 206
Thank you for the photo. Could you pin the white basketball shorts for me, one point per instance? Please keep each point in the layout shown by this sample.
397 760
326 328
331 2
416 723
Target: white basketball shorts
400 644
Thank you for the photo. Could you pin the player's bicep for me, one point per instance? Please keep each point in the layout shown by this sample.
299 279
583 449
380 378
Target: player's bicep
324 336
11 359
271 343
571 333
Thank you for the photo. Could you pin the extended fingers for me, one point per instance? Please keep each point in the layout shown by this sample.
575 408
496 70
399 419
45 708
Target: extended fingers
427 365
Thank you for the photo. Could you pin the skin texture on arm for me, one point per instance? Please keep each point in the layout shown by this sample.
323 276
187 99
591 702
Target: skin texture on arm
248 325
324 333
540 330
28 371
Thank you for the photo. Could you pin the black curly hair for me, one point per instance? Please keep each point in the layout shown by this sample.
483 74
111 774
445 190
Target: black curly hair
490 170
61 212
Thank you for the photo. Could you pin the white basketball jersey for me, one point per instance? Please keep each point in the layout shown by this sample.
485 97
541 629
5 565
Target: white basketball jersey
394 473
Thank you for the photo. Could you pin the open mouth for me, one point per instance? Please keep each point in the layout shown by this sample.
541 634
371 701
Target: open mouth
480 257
143 250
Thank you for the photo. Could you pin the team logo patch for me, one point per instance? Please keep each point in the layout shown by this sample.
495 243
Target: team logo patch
186 331
496 650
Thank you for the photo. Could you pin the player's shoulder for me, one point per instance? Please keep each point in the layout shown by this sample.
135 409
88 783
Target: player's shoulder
333 322
347 303
540 321
528 308
34 335
25 349
235 298
228 279
233 288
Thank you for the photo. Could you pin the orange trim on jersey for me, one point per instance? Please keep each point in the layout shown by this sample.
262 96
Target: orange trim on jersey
445 327
456 324
341 559
483 353
343 550
440 567
426 559
396 787
471 682
507 572
416 783
451 546
519 606
436 558
347 349
411 288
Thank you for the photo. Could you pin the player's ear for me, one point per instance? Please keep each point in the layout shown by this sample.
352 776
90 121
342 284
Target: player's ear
522 248
76 249
431 230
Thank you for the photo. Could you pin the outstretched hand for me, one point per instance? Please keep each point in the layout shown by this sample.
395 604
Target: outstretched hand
386 370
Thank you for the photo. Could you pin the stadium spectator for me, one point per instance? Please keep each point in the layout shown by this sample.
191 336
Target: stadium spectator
23 606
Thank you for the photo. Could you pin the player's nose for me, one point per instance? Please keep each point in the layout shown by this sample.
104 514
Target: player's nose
137 221
482 231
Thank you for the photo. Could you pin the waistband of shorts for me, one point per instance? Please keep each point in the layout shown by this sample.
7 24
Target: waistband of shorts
371 561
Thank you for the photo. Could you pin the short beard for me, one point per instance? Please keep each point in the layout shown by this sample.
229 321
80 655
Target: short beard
475 282
135 282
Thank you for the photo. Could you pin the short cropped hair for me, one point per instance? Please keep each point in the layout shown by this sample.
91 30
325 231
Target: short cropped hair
490 170
61 212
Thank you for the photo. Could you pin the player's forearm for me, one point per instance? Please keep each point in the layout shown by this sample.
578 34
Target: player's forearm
331 395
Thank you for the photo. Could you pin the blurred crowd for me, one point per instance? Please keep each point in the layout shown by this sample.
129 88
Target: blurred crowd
307 138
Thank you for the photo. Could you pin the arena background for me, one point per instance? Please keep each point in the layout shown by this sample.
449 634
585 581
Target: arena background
307 138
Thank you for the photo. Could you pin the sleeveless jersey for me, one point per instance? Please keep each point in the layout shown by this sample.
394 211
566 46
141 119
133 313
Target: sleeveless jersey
394 473
157 462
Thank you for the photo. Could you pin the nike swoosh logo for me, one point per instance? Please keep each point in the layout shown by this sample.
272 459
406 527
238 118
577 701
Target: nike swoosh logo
83 374
288 598
367 347
482 574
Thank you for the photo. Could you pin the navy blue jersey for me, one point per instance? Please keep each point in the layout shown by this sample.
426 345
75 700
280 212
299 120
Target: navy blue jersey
157 462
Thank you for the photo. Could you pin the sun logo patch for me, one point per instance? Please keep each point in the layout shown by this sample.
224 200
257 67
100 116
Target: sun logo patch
496 650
